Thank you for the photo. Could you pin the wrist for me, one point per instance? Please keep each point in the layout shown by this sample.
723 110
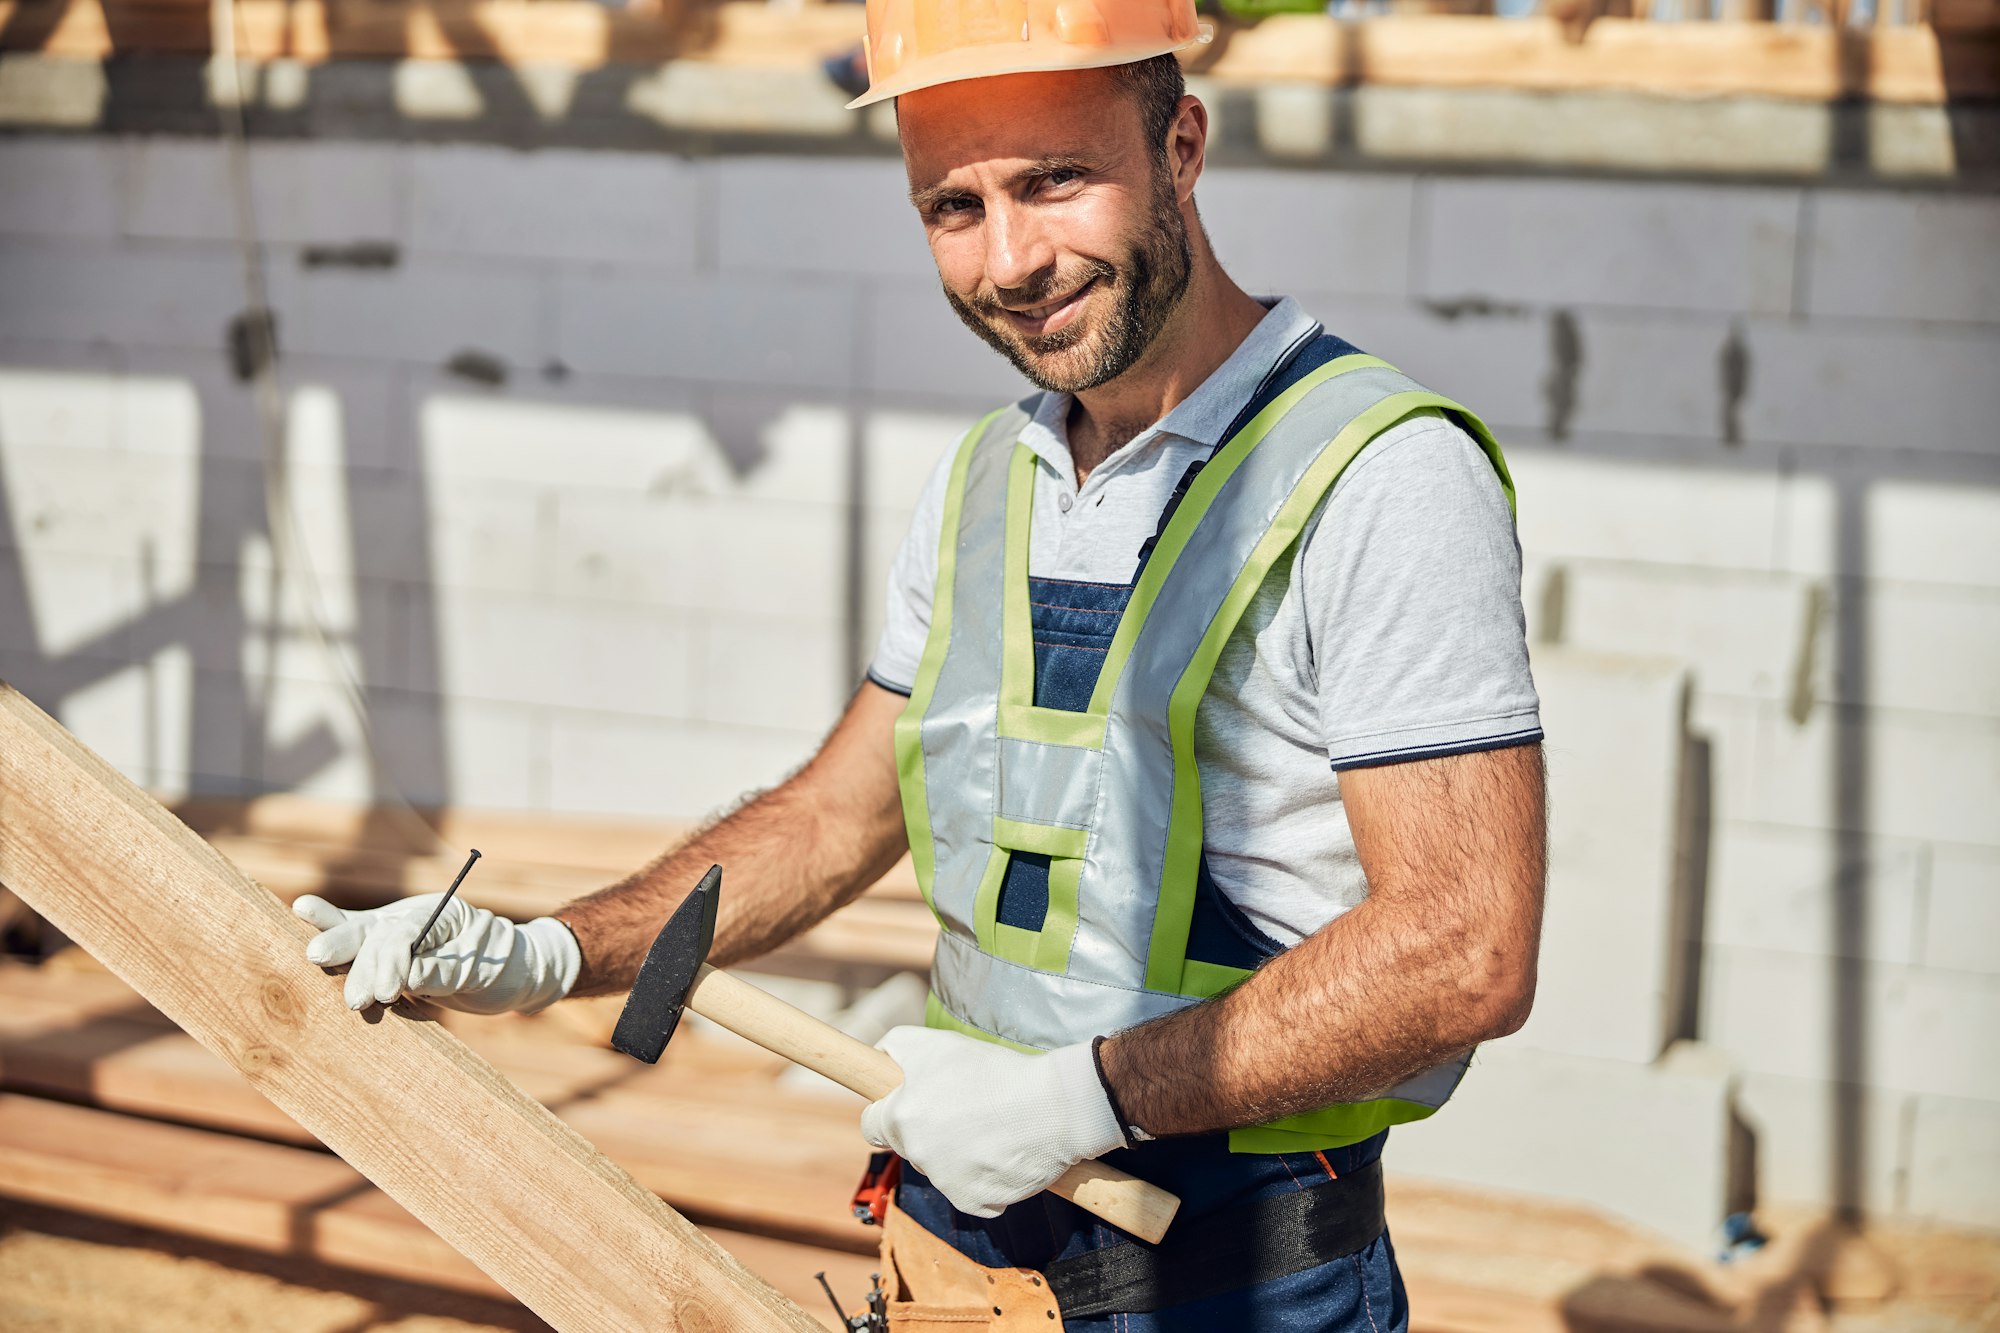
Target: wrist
555 960
1128 1128
1092 1123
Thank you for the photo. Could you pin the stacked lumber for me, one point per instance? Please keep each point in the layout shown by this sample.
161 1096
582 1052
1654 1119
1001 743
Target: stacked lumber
108 1110
1952 58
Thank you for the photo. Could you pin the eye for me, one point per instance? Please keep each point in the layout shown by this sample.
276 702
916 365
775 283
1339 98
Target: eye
952 207
1064 176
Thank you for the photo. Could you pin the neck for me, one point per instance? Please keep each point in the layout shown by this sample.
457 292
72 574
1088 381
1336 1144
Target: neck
1210 323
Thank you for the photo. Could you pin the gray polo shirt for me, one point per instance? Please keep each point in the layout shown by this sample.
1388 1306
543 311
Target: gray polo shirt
1391 631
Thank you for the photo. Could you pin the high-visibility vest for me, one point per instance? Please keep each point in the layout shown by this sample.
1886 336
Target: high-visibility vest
1111 795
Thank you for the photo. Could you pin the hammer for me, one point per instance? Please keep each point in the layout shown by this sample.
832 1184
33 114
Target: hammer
676 976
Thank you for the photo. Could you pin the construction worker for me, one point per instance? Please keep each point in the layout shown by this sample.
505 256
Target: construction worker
1203 708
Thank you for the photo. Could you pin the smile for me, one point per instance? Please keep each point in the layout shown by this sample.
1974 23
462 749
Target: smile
1051 316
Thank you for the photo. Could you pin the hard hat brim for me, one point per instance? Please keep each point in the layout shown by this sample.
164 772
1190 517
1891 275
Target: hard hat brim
1031 57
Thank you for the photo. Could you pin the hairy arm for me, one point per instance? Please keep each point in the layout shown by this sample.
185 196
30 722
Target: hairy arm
791 855
1440 957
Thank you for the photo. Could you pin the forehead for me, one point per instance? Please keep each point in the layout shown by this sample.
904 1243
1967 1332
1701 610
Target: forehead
1013 119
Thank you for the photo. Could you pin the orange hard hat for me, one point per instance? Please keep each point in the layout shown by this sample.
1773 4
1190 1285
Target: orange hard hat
916 44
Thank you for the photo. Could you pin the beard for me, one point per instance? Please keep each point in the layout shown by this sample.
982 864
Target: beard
1146 286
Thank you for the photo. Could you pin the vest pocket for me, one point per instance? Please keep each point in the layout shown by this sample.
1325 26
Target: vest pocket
1025 911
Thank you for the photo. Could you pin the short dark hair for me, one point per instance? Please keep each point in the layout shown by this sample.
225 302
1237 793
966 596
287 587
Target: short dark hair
1157 85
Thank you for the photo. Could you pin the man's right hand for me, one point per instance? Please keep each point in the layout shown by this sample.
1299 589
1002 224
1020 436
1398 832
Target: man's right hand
470 960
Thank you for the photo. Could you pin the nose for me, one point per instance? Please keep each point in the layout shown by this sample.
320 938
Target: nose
1018 246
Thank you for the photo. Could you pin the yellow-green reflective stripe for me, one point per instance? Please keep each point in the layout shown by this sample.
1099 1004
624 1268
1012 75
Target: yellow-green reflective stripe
1199 497
1017 633
909 723
1048 839
1328 1127
937 1016
1047 948
1166 955
986 902
1051 726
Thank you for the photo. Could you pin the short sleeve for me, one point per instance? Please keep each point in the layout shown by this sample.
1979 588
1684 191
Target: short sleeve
906 622
1411 582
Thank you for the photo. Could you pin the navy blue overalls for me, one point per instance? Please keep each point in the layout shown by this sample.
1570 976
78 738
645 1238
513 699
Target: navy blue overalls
1073 627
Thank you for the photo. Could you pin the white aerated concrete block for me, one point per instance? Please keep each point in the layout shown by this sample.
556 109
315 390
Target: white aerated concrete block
1556 242
425 310
564 652
1281 232
494 537
73 406
1631 511
916 345
859 221
735 329
1779 889
905 447
1649 1143
601 764
466 752
1961 928
636 209
1493 360
1918 1028
115 505
302 191
1608 961
1741 633
746 557
771 673
1650 376
1814 1138
61 187
1934 648
1814 384
1954 1162
1914 255
1933 533
173 296
1931 776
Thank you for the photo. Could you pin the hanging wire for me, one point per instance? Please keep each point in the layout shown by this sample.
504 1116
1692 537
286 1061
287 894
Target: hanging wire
291 560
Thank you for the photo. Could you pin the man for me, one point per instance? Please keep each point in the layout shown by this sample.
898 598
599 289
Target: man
1202 706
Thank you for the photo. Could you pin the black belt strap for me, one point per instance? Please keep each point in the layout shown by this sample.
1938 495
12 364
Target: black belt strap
1271 1237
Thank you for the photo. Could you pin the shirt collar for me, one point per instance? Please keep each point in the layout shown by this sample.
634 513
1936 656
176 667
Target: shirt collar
1204 415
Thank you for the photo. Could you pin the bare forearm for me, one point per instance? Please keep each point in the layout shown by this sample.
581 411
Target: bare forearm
1407 980
790 856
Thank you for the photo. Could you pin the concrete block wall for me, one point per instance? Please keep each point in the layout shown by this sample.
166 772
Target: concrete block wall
601 457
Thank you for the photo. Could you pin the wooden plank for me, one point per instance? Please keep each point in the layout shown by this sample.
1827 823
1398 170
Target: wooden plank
705 1130
1908 64
281 1200
406 1103
1911 63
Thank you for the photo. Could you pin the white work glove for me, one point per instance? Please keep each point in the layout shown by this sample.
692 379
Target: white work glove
470 960
989 1125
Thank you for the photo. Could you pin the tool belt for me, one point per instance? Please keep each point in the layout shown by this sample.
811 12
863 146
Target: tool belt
933 1287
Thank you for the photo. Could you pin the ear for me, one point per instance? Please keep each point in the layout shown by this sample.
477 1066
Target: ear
1187 145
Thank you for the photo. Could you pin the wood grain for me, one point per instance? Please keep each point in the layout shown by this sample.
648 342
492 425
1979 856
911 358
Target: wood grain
402 1100
1915 63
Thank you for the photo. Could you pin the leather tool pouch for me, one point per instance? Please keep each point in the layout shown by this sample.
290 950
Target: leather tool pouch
933 1288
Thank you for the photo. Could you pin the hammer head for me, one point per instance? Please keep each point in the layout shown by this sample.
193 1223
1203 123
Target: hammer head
653 1009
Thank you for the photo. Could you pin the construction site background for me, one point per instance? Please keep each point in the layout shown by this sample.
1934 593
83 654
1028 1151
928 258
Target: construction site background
609 378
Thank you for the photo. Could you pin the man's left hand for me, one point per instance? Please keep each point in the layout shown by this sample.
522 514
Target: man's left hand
989 1125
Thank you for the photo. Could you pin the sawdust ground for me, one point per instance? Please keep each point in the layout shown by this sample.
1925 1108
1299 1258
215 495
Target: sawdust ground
60 1273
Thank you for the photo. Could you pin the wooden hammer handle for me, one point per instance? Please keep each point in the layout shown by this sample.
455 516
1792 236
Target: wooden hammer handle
1126 1202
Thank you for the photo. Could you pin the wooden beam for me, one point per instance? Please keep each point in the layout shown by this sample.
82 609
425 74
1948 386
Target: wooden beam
289 1201
1913 63
402 1100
